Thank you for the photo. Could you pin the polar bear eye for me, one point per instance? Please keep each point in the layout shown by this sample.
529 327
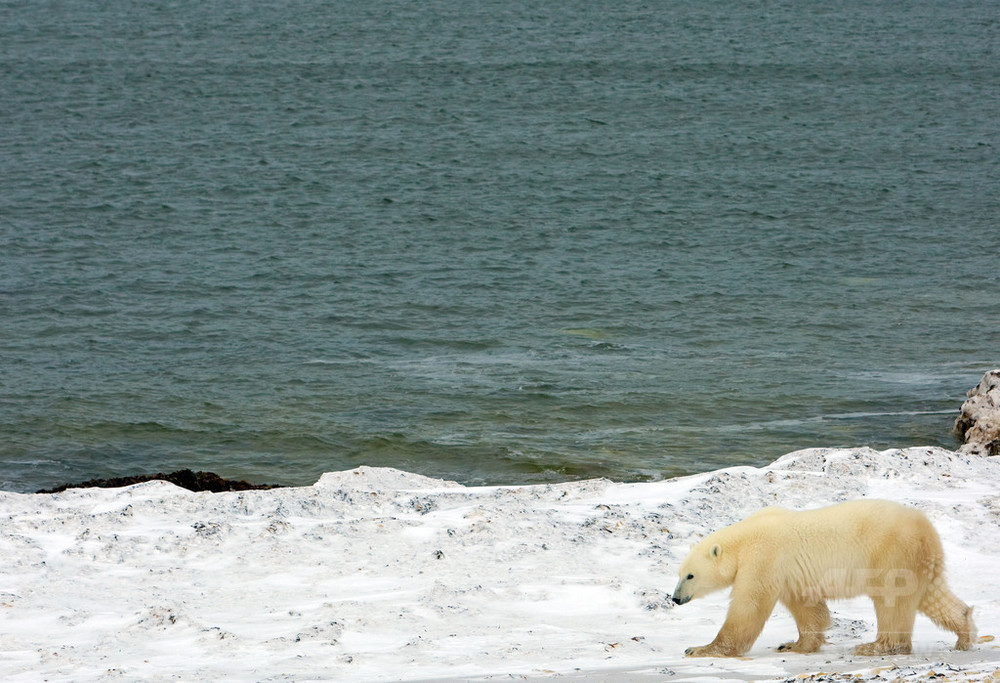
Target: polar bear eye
689 577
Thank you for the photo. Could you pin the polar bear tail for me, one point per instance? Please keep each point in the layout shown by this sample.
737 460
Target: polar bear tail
947 611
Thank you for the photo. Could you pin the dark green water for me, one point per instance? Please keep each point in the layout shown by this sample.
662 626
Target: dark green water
491 241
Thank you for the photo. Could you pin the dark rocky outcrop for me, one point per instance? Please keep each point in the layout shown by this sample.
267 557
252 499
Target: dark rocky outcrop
192 481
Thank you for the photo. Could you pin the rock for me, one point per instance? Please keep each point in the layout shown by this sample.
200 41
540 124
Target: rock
192 481
979 422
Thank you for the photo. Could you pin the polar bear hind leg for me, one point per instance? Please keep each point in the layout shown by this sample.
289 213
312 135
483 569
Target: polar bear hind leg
895 616
812 618
947 611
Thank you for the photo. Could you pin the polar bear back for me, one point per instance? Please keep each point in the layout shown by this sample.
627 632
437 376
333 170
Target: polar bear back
839 551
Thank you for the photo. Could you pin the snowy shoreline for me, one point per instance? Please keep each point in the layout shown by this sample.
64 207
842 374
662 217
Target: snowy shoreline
377 574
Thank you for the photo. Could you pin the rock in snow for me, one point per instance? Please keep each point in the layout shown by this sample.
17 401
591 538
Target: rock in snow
979 422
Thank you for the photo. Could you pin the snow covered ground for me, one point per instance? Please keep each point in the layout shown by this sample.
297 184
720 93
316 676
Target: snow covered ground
376 574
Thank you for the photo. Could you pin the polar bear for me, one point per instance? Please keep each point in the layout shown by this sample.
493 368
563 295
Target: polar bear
877 548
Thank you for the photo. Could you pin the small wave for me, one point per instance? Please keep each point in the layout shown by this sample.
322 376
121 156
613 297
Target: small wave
799 421
766 425
901 413
336 361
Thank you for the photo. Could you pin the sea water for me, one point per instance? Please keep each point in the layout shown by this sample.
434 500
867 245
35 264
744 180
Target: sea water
495 242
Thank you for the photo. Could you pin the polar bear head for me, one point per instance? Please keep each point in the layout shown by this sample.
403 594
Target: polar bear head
707 568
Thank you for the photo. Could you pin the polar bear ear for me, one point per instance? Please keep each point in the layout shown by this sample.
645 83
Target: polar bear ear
716 550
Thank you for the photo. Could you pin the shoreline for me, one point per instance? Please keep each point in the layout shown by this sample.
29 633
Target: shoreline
375 574
977 426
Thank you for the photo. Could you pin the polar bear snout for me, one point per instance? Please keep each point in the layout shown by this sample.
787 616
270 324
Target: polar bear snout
682 593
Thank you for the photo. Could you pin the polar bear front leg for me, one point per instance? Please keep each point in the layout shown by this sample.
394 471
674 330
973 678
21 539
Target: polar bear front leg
748 612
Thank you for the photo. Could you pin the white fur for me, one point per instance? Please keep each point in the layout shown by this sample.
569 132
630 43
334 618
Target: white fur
868 547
